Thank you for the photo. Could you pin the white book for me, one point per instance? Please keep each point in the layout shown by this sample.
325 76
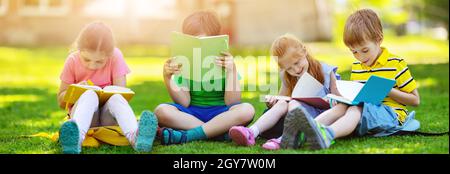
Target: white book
307 90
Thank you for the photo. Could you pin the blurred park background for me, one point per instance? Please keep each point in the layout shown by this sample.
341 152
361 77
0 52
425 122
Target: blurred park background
36 35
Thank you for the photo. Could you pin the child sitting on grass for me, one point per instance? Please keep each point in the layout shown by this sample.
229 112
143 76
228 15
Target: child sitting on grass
363 35
294 60
201 114
97 59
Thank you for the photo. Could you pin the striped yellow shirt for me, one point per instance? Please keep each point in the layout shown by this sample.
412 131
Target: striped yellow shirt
392 67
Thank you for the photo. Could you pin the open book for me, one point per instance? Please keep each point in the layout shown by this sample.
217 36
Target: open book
75 90
306 90
197 55
354 93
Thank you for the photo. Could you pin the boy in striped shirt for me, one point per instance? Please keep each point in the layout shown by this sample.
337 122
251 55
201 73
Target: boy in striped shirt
363 35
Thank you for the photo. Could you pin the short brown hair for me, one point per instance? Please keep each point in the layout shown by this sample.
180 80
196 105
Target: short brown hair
202 21
363 25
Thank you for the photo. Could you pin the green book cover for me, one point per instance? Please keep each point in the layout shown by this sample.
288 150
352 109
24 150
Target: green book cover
197 55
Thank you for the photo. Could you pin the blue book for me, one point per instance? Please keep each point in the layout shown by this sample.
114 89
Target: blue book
354 93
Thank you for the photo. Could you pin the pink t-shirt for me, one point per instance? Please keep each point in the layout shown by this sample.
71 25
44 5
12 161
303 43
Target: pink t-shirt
75 72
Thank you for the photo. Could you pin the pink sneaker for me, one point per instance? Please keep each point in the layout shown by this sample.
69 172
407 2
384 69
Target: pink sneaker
272 144
242 136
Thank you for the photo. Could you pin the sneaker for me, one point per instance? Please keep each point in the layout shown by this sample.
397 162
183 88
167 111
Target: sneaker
315 132
70 138
146 133
242 136
292 137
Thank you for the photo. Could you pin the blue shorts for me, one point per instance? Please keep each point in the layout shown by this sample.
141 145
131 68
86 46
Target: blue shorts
377 120
203 113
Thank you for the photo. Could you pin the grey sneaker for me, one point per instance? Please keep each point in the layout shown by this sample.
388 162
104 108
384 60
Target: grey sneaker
315 132
292 136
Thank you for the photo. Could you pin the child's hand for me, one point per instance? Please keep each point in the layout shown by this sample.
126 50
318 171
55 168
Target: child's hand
333 102
226 61
83 83
270 101
171 68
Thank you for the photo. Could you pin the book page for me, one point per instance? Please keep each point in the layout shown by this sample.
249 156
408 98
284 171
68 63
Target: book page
307 86
348 89
340 98
76 90
278 97
116 89
109 91
87 87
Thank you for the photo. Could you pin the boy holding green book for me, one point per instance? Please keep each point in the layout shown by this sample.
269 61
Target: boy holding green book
201 111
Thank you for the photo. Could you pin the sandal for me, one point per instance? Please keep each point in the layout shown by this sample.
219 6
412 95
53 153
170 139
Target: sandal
170 141
272 144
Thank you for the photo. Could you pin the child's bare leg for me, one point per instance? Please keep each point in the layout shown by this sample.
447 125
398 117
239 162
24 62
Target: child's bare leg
346 124
272 116
237 115
331 115
246 136
170 116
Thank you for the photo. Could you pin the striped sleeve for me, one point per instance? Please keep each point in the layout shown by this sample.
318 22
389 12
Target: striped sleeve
404 80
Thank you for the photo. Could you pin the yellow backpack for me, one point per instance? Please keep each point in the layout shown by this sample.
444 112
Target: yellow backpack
112 135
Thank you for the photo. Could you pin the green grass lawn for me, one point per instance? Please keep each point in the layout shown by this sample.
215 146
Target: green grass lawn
29 82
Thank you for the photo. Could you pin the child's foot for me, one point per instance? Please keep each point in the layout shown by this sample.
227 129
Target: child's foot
170 136
272 144
70 138
158 133
242 136
316 133
146 132
291 137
